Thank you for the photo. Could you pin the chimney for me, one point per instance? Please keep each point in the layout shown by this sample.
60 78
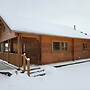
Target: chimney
74 27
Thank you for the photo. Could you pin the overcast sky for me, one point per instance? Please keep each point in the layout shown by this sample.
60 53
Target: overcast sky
65 12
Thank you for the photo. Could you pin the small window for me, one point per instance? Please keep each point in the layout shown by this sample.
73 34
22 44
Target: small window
85 46
64 45
6 47
56 46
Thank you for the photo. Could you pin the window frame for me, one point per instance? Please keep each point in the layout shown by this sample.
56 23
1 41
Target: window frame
63 46
85 46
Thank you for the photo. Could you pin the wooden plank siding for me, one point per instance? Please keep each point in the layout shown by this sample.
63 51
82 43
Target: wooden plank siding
79 52
75 49
49 56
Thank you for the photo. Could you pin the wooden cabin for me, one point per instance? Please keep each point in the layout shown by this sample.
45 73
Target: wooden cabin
41 48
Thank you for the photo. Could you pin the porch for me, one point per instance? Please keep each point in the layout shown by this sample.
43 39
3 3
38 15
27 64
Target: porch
11 50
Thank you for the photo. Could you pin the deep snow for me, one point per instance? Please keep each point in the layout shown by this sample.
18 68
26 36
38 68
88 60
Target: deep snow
75 77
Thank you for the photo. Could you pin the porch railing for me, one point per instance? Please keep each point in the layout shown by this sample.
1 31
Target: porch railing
12 58
17 60
26 64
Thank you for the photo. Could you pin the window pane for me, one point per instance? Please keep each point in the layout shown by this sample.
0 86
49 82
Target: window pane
65 45
2 47
62 45
84 46
6 47
56 46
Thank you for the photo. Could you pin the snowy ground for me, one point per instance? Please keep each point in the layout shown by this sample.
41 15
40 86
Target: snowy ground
74 77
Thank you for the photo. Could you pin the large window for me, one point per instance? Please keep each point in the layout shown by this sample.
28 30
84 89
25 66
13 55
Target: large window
60 46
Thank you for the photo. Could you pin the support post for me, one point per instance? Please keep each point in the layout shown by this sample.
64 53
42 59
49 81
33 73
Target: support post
8 49
28 66
73 50
3 49
19 50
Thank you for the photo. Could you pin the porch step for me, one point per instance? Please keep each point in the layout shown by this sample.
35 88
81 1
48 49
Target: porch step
40 75
35 68
35 72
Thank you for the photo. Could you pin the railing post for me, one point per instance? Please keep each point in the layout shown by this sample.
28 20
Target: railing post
28 66
24 63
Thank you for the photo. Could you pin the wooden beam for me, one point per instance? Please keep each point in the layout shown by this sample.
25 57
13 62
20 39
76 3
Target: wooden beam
72 49
8 49
19 51
40 61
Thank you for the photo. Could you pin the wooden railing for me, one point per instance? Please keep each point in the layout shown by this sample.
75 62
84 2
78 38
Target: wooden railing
26 64
17 60
12 58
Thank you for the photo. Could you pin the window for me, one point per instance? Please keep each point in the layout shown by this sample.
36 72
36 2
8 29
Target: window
60 46
6 47
85 46
56 46
65 46
1 47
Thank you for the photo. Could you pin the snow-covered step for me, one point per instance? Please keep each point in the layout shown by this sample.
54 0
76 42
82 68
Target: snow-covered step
42 74
35 68
37 72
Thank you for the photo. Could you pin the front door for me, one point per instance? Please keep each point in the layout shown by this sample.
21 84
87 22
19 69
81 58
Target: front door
31 47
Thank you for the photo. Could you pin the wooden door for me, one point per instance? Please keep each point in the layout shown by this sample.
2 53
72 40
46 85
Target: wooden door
31 47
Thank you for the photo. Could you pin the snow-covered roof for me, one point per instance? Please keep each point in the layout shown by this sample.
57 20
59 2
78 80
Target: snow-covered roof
18 15
23 24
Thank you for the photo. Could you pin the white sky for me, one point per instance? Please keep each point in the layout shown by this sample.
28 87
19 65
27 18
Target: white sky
65 12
